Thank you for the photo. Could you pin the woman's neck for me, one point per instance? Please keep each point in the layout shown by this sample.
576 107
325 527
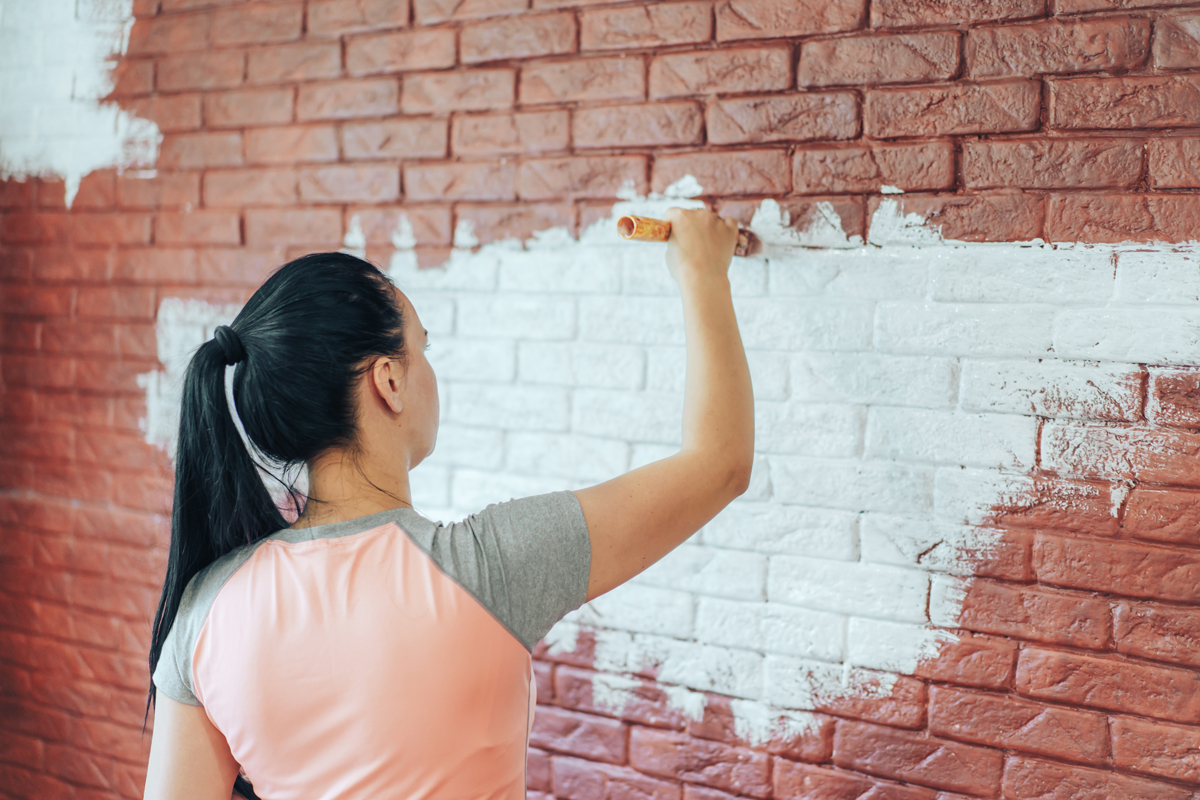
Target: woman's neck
342 487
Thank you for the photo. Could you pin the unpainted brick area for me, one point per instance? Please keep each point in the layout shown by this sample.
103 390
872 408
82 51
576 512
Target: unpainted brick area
1076 670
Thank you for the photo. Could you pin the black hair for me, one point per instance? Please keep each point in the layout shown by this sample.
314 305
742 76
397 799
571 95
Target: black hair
298 344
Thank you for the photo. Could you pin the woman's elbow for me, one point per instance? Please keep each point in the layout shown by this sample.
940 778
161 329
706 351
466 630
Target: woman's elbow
739 477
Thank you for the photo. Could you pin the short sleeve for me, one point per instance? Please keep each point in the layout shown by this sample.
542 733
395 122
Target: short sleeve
173 673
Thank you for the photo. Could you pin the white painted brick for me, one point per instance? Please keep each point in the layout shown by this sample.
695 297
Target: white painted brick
769 374
1158 276
509 407
633 416
546 362
790 682
946 597
852 485
631 320
760 480
868 590
893 646
777 528
473 490
465 271
808 429
941 437
516 316
459 445
964 329
1145 335
435 312
473 359
1090 450
863 273
581 271
925 543
625 608
710 571
607 366
970 496
567 456
1053 388
771 628
802 324
1038 274
873 378
727 671
430 486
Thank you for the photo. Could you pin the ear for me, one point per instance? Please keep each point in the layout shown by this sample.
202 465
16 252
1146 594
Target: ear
386 379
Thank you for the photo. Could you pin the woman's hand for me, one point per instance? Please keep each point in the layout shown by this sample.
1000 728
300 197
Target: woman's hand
701 244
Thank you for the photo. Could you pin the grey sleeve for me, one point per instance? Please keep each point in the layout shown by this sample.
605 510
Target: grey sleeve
526 560
173 673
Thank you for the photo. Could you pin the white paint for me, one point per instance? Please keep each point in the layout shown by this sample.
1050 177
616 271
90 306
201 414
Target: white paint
56 59
899 388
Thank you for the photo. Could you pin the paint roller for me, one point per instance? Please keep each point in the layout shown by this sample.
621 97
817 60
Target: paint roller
648 229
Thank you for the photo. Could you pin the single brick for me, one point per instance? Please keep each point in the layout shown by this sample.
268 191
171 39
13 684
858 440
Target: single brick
678 756
1026 777
132 77
223 69
400 51
897 58
335 17
740 172
249 187
350 98
1047 615
1148 454
947 110
248 107
919 13
1166 515
1174 396
431 11
917 758
792 780
651 25
1057 46
1174 163
1052 163
1155 747
973 660
578 177
346 184
576 779
522 132
750 69
894 700
974 218
1110 683
291 144
641 701
522 36
1177 41
1123 103
913 167
801 734
169 34
198 227
460 181
795 117
1122 218
638 126
287 226
584 735
1012 724
1078 6
1118 567
491 222
470 90
257 23
395 138
171 112
430 224
613 78
775 19
806 214
164 190
288 63
198 150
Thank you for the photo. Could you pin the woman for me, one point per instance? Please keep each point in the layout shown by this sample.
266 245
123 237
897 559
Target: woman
364 651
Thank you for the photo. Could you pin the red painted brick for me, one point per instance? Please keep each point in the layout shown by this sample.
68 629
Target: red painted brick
174 112
169 34
740 172
126 303
351 98
1122 103
917 758
914 167
637 126
757 69
797 117
613 78
1056 46
537 770
335 17
896 58
1177 41
286 226
1052 163
583 735
973 660
602 176
1078 6
1026 777
1110 683
804 782
72 338
198 227
652 25
395 138
1165 515
293 144
521 36
1149 454
1174 163
910 13
345 184
229 265
882 697
430 11
523 132
543 675
36 300
198 150
155 265
1122 218
400 52
644 701
772 19
574 779
701 793
223 69
163 190
249 187
248 107
814 741
17 193
464 90
430 224
26 228
680 757
494 222
257 23
956 109
1170 751
804 212
287 63
460 181
114 228
1012 724
1137 570
132 77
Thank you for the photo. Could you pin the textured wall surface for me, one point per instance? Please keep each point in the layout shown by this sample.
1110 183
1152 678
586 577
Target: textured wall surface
968 562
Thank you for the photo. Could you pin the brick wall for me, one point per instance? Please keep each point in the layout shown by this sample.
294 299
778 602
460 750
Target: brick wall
967 565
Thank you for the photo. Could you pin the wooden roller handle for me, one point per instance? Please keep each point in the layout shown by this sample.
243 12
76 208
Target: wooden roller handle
648 229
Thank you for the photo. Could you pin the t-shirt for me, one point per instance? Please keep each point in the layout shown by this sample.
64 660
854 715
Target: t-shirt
382 657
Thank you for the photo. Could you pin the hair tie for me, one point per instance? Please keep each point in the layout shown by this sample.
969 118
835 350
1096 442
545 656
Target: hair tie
230 343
